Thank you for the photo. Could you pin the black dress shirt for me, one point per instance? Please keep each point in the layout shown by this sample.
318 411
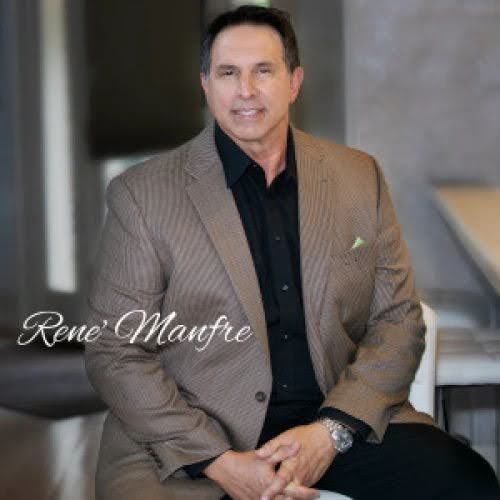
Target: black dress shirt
270 218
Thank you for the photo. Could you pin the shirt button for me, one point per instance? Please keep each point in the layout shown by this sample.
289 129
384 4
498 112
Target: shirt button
277 237
284 287
284 386
260 396
284 336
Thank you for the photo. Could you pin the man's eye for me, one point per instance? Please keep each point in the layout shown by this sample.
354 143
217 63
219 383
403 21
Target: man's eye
229 72
265 70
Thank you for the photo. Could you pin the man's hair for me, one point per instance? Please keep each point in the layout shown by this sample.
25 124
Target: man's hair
276 19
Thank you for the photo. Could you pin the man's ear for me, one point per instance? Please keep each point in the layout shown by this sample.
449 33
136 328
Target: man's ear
203 80
296 82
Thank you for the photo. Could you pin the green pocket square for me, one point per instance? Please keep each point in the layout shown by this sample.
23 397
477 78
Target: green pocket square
358 243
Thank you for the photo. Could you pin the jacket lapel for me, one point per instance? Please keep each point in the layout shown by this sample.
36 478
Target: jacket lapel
219 214
316 209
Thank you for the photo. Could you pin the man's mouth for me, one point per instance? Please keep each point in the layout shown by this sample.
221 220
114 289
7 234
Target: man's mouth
247 112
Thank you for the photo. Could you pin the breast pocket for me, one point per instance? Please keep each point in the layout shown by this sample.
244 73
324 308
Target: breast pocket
351 282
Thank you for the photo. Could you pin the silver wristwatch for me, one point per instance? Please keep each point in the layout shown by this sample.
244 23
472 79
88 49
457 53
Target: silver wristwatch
342 436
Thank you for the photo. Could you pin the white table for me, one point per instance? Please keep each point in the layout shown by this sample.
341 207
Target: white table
473 213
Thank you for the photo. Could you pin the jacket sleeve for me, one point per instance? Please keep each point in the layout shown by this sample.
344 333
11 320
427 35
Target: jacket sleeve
128 376
378 380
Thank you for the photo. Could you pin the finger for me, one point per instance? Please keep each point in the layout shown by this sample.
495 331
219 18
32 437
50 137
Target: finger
283 452
283 476
272 445
298 491
295 492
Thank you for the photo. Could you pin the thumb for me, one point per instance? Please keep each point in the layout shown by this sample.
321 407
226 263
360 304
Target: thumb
268 449
282 453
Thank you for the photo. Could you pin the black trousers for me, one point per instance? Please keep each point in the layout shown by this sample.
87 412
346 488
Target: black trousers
414 461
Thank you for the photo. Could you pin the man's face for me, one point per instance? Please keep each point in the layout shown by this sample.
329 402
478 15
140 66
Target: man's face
249 88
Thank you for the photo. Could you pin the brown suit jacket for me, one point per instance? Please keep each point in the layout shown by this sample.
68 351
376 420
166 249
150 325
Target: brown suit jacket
173 241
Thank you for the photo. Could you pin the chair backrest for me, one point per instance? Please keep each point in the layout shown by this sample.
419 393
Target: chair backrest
422 388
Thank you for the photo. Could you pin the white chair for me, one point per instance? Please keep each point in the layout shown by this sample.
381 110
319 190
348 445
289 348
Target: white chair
422 389
468 357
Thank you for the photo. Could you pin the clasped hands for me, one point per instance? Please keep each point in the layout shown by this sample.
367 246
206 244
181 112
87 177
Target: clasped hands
303 453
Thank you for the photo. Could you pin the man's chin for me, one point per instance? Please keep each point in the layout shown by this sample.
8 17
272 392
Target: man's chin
248 132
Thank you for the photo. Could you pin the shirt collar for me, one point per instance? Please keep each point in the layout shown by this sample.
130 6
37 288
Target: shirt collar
235 161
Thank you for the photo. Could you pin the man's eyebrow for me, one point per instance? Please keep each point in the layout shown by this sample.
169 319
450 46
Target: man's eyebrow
226 66
233 66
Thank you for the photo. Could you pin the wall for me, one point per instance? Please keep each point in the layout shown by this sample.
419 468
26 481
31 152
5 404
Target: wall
423 96
7 192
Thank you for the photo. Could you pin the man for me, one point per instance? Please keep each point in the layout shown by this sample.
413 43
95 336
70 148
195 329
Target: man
297 238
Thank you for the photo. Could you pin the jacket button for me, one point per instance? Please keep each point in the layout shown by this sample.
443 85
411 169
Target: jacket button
260 396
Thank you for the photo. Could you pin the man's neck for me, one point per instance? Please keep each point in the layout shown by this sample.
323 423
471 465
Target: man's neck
269 153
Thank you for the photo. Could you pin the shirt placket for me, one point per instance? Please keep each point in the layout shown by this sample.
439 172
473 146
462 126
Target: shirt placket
284 287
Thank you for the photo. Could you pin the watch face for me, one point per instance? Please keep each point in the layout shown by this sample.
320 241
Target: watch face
341 436
343 439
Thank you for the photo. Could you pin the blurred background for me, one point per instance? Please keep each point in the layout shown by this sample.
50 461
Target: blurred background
88 88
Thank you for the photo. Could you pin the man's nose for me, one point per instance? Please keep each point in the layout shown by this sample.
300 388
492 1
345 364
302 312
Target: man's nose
247 86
